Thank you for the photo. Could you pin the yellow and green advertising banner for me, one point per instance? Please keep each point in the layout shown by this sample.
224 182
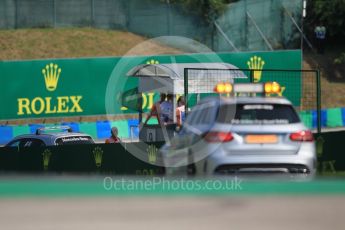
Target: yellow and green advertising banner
82 87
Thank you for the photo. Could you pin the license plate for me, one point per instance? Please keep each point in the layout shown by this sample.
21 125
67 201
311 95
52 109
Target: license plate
261 139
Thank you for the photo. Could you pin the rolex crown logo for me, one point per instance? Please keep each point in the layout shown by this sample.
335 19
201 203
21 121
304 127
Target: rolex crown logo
152 154
46 158
51 75
98 155
257 64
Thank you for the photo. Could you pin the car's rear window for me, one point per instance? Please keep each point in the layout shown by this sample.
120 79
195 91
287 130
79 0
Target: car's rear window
74 140
248 114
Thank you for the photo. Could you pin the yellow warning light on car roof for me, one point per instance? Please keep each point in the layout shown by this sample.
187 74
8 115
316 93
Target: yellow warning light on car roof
251 89
228 87
223 88
272 87
219 88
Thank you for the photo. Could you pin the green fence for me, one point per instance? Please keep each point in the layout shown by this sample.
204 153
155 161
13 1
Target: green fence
259 25
92 86
331 157
101 158
137 16
115 159
251 19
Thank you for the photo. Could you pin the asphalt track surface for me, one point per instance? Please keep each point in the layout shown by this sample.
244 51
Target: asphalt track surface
83 203
267 213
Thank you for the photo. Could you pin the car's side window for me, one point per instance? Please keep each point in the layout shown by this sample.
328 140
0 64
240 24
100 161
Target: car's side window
192 118
24 143
209 115
27 142
36 143
14 143
203 114
206 114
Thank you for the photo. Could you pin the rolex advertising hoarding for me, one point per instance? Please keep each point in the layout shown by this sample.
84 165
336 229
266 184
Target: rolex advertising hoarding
80 87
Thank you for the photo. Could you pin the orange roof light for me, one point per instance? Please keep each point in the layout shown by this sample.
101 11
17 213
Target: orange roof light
275 87
268 87
223 88
249 88
272 87
228 87
220 88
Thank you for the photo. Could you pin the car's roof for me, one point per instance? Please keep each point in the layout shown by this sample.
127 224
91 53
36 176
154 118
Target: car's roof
50 135
243 100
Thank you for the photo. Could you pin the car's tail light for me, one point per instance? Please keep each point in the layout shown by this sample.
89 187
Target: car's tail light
305 135
218 137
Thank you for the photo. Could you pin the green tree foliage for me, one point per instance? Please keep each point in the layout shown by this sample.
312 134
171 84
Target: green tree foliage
340 60
330 13
208 10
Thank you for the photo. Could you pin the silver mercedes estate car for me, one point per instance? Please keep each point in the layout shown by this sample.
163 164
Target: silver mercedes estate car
50 136
230 135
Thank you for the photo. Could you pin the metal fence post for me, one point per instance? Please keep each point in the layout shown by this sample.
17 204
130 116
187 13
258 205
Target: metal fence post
16 14
246 43
251 77
54 14
168 9
128 14
185 73
318 100
140 109
92 13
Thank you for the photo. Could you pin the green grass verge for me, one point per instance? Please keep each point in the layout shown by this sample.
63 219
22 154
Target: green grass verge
129 186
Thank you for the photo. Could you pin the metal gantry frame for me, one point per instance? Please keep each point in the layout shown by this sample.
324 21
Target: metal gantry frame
314 87
199 80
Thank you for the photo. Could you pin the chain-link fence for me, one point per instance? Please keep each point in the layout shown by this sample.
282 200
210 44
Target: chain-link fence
151 18
260 25
301 87
62 13
250 19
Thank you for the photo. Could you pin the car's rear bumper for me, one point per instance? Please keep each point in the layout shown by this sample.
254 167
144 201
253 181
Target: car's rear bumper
302 162
222 160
